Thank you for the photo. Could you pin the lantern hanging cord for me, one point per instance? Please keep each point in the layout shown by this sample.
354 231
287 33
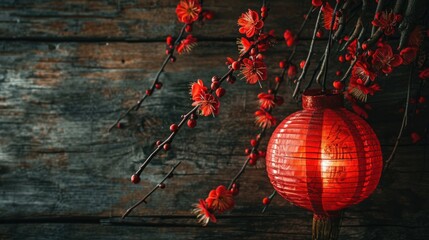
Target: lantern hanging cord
404 121
328 48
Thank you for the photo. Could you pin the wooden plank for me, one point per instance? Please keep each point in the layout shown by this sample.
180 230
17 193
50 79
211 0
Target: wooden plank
249 227
130 19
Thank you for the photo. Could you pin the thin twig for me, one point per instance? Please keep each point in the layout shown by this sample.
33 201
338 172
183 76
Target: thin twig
137 106
319 64
355 34
404 121
186 116
307 60
341 21
272 195
159 185
380 5
325 63
349 70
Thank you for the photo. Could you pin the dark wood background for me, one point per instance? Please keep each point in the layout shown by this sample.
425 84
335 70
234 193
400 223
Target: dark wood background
68 68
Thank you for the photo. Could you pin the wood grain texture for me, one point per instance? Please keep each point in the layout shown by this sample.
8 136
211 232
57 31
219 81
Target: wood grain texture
129 19
61 172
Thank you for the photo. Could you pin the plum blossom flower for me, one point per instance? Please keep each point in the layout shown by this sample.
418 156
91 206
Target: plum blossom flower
253 70
197 89
266 40
203 212
387 21
188 11
316 3
408 55
424 74
384 59
328 11
266 100
220 199
264 119
207 103
363 71
243 45
358 89
249 23
186 45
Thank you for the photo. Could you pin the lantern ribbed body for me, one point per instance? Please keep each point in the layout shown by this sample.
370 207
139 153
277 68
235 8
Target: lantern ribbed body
324 158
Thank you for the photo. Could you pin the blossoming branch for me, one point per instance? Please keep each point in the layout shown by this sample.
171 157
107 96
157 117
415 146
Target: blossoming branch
206 99
188 12
221 199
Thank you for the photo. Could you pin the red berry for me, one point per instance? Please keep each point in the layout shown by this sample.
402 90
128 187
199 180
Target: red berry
161 185
348 57
192 123
169 40
231 79
158 143
148 92
166 146
253 142
301 64
235 189
364 46
220 92
341 58
172 59
338 73
168 51
135 178
277 79
338 85
247 151
119 125
254 156
415 137
173 127
252 162
262 154
188 28
422 99
319 34
208 15
270 91
291 72
215 85
253 52
158 85
236 65
215 79
265 201
282 64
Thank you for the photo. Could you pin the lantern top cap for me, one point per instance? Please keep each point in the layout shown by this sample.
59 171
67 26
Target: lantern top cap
316 99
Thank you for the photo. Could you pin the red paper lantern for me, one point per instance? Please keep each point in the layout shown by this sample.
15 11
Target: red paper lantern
324 158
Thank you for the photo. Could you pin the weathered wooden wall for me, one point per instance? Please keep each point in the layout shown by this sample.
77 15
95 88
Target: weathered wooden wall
68 68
